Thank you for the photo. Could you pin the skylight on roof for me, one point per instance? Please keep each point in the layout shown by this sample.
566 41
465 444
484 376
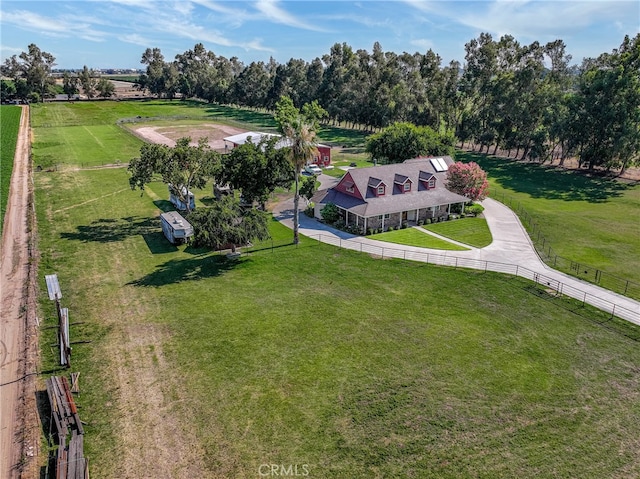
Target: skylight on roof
439 164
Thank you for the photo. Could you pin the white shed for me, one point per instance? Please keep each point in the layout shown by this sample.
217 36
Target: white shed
175 227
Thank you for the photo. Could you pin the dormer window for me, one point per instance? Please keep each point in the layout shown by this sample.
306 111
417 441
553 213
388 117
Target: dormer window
403 182
377 186
427 179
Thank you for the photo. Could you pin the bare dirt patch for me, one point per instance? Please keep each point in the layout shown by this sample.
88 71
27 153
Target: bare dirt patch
148 406
167 135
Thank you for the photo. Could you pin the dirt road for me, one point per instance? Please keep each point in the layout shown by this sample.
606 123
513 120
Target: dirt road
14 277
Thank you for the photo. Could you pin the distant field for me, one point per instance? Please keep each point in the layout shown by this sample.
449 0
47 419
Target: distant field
9 125
127 78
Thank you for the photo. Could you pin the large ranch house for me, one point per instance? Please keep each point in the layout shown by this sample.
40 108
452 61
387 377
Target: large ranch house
395 195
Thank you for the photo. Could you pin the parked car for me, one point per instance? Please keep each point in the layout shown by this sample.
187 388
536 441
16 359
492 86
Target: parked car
313 169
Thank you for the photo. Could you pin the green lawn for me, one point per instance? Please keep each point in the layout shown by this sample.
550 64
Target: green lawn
9 125
327 357
358 367
413 237
471 231
589 220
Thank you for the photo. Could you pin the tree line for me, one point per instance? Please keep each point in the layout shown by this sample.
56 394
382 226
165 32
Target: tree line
32 80
525 100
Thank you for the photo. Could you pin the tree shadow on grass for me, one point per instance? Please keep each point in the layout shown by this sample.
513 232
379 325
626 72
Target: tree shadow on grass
550 182
158 243
110 230
164 205
178 270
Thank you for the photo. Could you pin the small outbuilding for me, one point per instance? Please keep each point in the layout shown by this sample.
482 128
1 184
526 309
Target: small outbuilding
175 227
322 157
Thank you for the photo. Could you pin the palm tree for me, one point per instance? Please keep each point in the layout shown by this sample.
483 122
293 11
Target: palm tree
302 147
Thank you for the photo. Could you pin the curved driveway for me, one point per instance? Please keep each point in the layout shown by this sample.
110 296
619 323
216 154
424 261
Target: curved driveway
511 246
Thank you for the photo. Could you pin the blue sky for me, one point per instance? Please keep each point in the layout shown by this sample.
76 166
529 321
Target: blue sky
115 33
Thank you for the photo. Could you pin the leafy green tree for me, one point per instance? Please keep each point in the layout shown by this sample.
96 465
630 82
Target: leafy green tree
606 110
105 88
69 84
182 167
308 187
7 90
227 224
403 141
34 68
154 78
88 80
252 85
256 169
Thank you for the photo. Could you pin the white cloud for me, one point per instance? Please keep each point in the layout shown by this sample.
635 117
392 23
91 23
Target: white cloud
530 20
135 39
57 27
423 44
271 11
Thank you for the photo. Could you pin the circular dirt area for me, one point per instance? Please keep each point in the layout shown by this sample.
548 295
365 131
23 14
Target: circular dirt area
167 135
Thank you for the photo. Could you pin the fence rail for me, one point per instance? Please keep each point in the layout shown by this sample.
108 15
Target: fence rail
579 270
551 285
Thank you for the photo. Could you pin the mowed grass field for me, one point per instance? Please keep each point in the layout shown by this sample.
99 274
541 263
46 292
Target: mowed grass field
312 355
9 125
589 220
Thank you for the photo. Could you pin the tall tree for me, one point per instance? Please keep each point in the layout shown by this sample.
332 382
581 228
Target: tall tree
34 67
69 84
88 80
153 80
105 88
300 131
403 141
182 167
607 115
256 169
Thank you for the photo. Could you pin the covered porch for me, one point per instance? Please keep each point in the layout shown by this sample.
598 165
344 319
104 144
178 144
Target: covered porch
401 218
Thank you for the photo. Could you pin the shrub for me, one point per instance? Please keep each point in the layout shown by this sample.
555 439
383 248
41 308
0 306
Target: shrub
427 221
330 213
474 209
390 228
